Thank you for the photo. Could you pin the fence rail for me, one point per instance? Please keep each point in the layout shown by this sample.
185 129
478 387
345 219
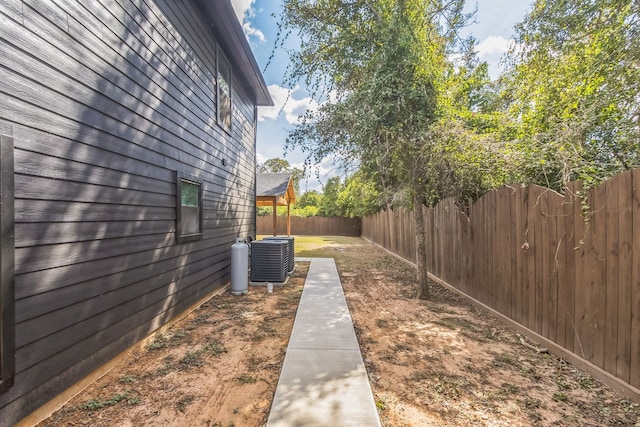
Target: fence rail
310 226
566 267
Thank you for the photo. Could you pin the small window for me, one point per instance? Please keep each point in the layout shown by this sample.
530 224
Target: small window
224 92
189 208
7 266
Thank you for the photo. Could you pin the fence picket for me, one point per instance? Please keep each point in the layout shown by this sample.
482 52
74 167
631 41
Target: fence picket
519 251
600 273
611 254
634 373
625 268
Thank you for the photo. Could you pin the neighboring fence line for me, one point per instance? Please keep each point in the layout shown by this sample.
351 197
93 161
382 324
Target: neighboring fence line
310 226
566 267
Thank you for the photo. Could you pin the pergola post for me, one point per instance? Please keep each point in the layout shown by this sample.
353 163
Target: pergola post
288 219
275 217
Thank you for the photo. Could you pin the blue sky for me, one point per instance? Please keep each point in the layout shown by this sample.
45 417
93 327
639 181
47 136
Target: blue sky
493 28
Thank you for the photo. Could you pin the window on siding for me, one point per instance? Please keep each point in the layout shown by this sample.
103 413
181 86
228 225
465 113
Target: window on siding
224 92
189 208
7 269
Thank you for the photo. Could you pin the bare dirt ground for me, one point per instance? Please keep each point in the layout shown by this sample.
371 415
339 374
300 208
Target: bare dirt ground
218 366
441 362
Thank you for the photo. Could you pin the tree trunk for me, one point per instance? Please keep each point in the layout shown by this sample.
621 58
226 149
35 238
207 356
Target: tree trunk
421 248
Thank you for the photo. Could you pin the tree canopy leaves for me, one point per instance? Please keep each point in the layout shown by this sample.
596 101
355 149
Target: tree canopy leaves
575 84
406 103
387 61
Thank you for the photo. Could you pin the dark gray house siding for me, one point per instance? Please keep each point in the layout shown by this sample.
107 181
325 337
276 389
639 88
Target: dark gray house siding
107 102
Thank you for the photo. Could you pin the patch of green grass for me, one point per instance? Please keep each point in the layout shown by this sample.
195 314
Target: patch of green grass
164 369
191 359
529 372
128 379
457 323
504 359
586 381
572 420
561 382
164 340
159 341
507 390
214 348
247 378
313 246
178 335
490 336
532 403
560 397
95 404
264 331
183 402
199 320
450 386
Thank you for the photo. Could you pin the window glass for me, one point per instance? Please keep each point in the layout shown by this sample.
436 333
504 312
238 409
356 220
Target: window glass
189 210
190 193
224 92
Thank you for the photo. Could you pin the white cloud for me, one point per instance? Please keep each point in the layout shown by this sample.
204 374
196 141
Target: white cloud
260 159
493 46
245 13
493 50
317 175
242 7
249 31
285 103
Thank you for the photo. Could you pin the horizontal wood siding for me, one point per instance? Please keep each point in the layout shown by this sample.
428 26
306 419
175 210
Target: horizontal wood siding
566 267
107 100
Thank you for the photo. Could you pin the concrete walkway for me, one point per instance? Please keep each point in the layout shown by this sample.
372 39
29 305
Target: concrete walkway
323 380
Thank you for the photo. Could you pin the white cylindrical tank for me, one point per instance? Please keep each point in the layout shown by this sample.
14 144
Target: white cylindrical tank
239 267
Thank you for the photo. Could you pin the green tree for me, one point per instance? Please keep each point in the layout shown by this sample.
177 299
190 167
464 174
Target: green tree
388 62
308 204
304 212
310 198
330 205
359 196
574 79
275 165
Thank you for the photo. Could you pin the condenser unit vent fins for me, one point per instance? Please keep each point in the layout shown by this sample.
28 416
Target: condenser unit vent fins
292 257
269 260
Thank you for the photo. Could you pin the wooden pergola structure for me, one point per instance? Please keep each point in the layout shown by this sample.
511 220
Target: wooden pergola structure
276 189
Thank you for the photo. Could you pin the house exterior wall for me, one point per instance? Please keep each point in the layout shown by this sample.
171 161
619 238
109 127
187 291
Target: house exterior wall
106 102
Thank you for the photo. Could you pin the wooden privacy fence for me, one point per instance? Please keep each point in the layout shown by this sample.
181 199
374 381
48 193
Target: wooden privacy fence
566 267
310 226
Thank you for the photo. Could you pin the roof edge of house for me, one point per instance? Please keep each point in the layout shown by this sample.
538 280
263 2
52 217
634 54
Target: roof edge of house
229 33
